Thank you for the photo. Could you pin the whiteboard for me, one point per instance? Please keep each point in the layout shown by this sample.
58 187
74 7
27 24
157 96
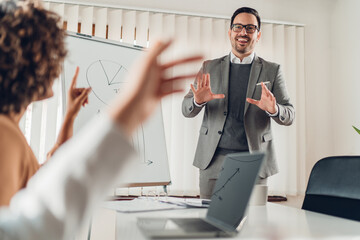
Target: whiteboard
104 65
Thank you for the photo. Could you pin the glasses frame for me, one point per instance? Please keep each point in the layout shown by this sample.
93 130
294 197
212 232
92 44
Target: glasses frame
244 26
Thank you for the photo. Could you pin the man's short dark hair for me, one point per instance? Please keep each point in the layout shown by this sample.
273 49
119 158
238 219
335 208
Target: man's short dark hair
246 10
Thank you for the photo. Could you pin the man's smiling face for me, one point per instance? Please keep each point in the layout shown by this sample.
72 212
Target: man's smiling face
243 43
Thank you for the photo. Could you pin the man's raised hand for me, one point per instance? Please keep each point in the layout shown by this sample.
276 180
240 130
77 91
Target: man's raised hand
267 101
203 93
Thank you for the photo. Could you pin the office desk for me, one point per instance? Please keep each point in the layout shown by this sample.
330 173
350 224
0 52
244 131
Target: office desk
272 221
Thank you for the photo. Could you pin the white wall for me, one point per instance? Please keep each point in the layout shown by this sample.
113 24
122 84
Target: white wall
345 80
316 15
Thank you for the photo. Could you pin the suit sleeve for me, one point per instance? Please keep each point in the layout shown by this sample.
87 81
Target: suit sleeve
286 114
189 109
64 192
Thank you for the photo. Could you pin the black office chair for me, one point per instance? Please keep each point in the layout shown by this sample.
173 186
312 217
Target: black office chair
334 187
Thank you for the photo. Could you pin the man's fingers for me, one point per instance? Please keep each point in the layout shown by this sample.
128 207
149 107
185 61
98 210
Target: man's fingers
265 89
273 98
252 101
73 82
193 88
271 94
207 80
198 81
203 80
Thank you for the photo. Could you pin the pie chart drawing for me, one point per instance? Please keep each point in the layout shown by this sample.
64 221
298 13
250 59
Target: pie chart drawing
106 79
105 68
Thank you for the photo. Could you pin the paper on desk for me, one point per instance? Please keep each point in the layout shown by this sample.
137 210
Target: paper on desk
140 204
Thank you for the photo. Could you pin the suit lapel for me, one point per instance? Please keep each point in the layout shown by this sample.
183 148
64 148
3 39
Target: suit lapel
225 69
254 76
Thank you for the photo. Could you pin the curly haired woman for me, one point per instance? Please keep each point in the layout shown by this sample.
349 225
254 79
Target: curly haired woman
32 50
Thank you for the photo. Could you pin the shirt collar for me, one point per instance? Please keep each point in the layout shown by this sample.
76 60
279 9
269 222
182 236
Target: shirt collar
246 60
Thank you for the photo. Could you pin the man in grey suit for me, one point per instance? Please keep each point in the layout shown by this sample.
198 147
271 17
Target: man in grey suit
233 120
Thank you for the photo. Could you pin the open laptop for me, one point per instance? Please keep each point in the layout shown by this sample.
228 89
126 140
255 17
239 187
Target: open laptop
227 207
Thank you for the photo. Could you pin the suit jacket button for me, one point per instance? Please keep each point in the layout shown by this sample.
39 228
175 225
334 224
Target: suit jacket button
225 113
220 132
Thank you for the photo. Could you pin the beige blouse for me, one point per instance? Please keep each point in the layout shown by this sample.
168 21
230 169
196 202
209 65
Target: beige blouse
17 161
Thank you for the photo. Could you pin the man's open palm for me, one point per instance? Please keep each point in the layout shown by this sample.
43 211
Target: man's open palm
267 101
203 92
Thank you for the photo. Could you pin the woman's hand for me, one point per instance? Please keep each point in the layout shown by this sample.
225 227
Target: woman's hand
149 84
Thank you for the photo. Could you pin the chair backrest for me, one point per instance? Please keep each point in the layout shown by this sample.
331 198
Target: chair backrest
334 187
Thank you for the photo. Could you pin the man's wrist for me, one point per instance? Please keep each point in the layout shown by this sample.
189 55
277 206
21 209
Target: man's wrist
274 114
199 105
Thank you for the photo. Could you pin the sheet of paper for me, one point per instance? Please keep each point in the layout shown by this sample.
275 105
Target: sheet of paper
140 205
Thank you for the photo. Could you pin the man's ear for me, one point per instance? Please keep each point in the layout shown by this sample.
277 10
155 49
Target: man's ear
258 36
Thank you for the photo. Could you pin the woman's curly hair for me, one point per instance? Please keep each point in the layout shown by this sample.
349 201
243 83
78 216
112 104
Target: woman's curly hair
32 50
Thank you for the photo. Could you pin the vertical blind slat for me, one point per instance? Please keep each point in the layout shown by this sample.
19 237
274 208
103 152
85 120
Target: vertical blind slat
43 128
168 25
86 15
115 23
36 127
177 153
290 69
219 39
71 15
142 27
51 118
265 45
279 132
129 23
300 110
100 21
155 26
206 34
191 128
58 8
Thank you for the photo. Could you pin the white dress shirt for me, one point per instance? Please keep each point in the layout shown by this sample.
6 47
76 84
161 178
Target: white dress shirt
65 191
246 60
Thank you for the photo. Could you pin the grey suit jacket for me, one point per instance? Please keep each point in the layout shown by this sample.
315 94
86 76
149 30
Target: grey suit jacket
256 121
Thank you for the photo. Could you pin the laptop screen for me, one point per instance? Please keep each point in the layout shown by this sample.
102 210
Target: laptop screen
233 189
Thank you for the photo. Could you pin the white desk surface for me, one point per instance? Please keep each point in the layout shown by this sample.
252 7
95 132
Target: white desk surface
272 221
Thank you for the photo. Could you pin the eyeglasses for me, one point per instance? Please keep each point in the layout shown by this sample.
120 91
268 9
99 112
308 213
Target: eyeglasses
248 28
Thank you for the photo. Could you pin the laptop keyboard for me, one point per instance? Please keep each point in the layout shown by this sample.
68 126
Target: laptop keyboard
195 225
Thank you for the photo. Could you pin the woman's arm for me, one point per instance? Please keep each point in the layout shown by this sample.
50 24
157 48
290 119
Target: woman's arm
76 98
67 189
